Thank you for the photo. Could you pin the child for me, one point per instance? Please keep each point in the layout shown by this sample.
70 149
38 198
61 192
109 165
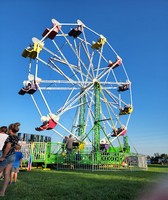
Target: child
16 164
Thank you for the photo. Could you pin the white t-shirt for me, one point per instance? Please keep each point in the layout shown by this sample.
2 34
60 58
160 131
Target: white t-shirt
3 137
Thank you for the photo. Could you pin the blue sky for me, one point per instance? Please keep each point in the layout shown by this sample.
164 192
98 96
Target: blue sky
136 29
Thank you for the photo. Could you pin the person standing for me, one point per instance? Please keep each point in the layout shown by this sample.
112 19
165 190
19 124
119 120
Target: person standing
8 155
69 144
3 136
16 164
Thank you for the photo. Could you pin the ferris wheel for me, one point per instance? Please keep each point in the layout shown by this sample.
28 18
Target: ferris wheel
79 83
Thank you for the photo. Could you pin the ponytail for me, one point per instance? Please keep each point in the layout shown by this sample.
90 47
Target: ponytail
14 127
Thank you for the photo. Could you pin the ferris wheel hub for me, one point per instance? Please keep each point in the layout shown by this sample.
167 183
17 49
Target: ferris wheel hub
95 80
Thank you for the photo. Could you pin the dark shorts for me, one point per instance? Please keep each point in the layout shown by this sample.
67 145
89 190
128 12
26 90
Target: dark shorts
15 169
69 150
8 160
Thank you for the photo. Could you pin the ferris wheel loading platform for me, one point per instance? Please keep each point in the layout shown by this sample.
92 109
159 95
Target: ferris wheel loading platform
51 155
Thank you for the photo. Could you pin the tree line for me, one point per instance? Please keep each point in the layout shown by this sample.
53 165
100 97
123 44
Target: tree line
158 158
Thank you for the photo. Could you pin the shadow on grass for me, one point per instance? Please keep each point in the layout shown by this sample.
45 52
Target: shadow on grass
158 166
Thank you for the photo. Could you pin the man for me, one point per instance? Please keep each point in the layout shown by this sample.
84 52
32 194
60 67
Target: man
69 144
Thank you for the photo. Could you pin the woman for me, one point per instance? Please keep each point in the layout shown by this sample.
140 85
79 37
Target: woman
8 156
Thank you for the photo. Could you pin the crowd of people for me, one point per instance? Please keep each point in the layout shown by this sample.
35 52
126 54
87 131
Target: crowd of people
10 155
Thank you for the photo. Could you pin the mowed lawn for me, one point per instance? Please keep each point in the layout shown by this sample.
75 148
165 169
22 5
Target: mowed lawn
41 184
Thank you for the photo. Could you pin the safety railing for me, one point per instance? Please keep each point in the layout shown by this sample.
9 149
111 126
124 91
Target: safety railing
55 155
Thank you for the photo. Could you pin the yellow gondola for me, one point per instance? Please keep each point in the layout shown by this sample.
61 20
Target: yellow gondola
127 110
97 45
33 50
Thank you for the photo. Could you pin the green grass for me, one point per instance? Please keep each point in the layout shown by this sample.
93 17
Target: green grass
116 185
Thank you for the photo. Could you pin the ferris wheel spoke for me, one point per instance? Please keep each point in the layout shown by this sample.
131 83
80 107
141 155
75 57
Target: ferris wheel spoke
35 103
71 102
66 83
66 61
99 62
75 121
67 103
105 72
115 78
107 77
117 100
111 48
86 51
126 125
58 133
85 48
107 122
105 103
74 67
111 95
72 107
78 96
79 64
92 31
58 88
44 99
55 68
69 132
112 115
87 74
90 71
110 106
91 64
30 66
86 45
83 64
90 67
52 53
